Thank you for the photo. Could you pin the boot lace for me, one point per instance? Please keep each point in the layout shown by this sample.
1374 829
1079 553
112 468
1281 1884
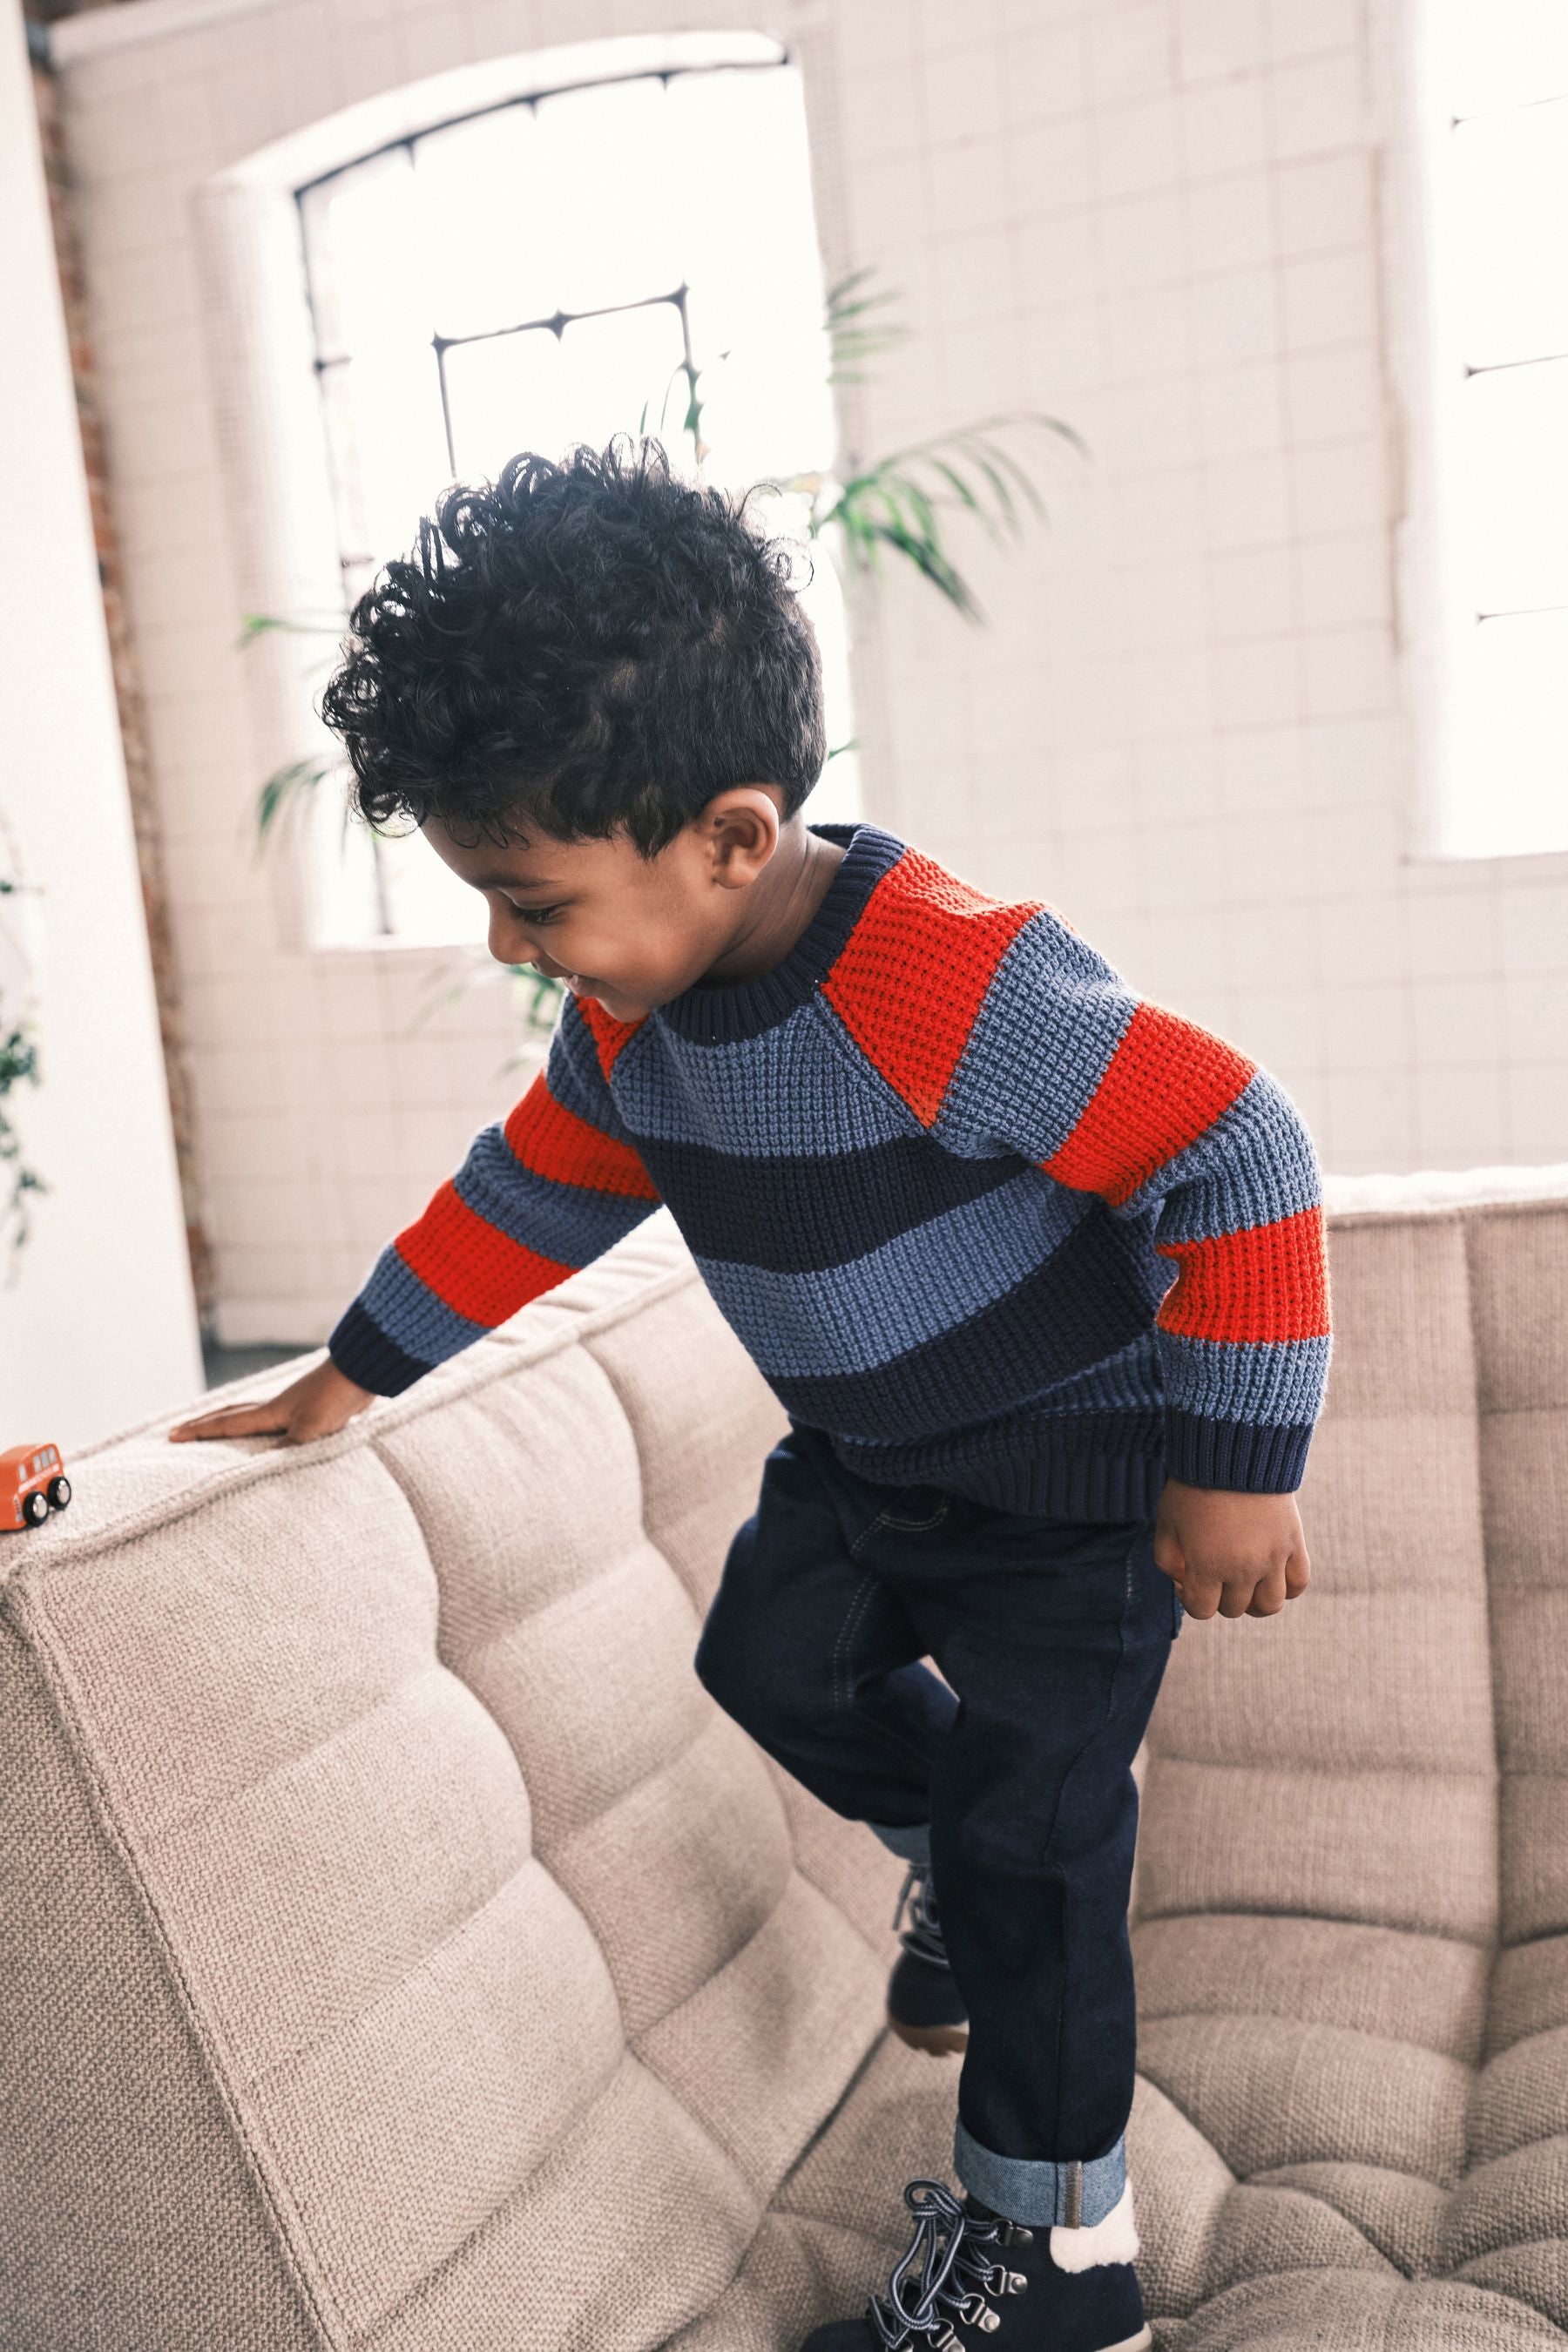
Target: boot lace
944 2271
922 1936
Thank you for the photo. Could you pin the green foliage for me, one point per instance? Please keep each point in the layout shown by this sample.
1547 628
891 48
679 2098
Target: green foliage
542 996
18 1062
896 504
265 625
853 335
19 1067
282 788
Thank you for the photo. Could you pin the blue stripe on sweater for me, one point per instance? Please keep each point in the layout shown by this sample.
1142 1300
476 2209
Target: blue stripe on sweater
1051 1019
569 1223
853 1318
397 1300
1277 1382
1095 1287
798 1087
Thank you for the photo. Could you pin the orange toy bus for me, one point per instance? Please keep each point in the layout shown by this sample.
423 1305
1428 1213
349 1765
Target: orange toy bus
32 1484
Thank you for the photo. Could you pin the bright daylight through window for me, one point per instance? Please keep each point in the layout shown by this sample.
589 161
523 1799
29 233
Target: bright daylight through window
554 270
1496 78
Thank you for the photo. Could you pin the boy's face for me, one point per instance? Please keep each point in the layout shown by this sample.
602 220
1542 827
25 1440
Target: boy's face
630 930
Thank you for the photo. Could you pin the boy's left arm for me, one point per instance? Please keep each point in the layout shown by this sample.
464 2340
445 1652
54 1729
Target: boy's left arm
1114 1095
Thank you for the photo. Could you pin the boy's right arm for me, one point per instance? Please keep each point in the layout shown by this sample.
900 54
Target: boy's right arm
560 1171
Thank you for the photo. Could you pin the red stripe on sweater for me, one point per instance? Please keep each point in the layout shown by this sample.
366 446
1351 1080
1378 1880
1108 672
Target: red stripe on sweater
472 1268
609 1034
1270 1282
553 1141
914 973
1167 1082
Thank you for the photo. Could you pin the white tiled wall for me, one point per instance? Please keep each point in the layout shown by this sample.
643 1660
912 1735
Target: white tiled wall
1186 723
1166 222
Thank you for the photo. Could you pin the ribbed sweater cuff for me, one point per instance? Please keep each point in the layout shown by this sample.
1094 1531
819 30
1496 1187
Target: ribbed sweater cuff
363 1354
1237 1455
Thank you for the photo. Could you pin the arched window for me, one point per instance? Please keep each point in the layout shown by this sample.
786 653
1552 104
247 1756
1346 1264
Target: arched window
638 252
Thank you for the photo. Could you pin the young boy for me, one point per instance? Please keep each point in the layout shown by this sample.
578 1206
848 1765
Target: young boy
1036 1268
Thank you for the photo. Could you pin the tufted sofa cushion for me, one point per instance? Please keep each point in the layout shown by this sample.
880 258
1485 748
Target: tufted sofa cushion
402 1952
1352 1926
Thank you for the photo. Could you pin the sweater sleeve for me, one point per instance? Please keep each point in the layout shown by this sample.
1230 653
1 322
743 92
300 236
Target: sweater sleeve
539 1195
1005 1032
1116 1096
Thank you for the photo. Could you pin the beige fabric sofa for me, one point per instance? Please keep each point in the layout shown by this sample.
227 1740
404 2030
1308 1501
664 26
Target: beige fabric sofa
398 1949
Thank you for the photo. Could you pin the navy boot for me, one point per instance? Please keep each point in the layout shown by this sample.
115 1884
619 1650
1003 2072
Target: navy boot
925 2007
970 2279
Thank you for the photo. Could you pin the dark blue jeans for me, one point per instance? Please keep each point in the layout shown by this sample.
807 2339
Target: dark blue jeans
1015 1782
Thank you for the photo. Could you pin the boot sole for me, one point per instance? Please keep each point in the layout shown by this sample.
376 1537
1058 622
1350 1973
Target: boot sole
942 2041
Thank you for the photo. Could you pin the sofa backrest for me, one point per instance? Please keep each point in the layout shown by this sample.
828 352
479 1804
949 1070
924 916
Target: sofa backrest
382 1898
1352 1926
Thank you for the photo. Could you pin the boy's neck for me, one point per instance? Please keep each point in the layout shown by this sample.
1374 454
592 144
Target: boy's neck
781 903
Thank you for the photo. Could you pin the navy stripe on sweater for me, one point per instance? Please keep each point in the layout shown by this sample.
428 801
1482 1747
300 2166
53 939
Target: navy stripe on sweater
800 1210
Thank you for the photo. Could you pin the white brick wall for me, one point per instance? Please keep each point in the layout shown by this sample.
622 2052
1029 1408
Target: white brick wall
1187 722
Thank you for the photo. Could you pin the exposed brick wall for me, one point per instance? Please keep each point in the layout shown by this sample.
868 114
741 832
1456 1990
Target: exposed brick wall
127 685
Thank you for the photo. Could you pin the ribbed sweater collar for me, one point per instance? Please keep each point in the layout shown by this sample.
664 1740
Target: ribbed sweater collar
744 1008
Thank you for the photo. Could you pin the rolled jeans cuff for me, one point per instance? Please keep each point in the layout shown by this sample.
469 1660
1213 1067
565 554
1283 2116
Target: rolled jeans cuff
910 1842
1070 2196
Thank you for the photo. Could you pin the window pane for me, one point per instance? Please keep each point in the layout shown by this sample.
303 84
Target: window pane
504 396
1498 53
426 904
488 262
388 447
757 290
535 391
1512 739
609 198
1511 487
1509 257
360 227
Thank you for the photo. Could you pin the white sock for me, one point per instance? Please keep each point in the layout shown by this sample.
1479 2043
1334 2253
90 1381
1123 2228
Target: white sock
1112 2240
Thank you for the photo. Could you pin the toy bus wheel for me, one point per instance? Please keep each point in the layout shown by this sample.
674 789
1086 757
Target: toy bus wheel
35 1508
60 1493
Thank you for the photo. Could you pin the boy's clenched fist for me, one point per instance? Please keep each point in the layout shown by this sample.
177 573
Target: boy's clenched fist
1242 1555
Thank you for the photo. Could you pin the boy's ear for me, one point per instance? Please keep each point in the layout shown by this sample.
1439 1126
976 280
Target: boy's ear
741 826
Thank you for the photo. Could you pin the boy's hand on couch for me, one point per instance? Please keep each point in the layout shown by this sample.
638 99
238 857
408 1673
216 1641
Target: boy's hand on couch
315 1405
1242 1555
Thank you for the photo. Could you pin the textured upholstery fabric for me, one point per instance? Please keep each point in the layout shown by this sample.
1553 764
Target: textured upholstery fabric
401 1952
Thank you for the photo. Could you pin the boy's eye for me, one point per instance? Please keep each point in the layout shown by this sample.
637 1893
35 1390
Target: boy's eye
535 914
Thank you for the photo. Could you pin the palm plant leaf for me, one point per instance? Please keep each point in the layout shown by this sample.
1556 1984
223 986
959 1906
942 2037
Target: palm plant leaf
901 501
283 788
853 335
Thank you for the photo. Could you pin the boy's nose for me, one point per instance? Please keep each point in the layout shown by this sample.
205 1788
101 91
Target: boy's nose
503 944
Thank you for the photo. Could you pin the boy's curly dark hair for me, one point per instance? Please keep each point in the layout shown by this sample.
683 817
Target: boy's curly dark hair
589 644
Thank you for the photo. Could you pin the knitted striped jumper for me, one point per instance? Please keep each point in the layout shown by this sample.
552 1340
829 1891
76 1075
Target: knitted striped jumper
976 1211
